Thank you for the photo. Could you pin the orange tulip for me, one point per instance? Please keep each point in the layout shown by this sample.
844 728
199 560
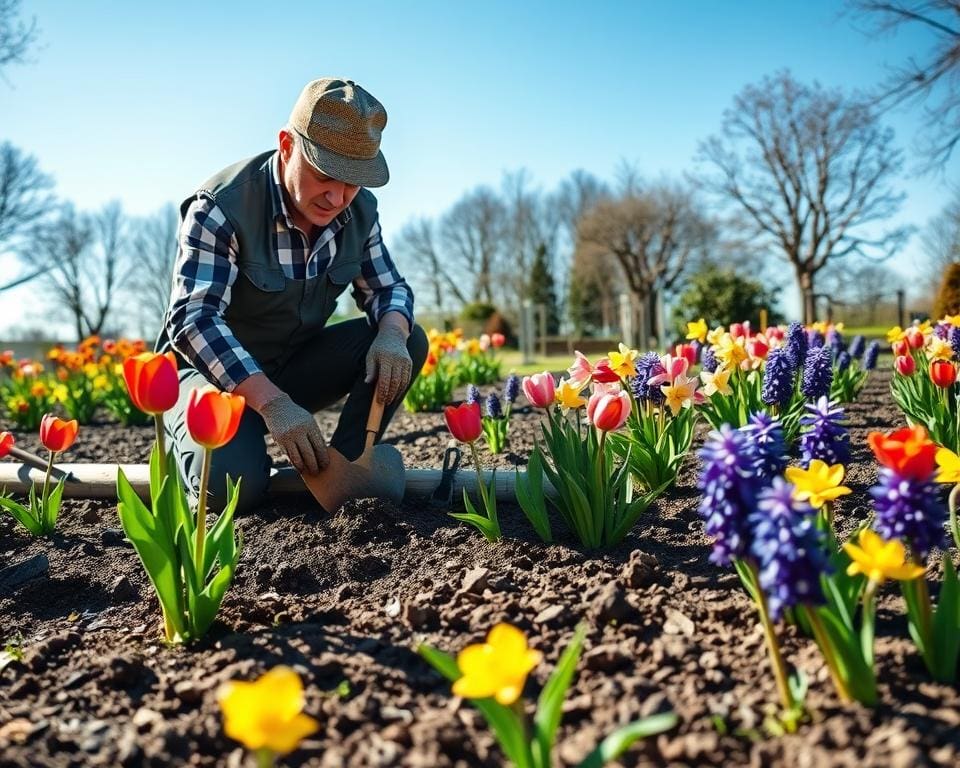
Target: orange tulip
151 381
6 443
908 451
56 434
213 416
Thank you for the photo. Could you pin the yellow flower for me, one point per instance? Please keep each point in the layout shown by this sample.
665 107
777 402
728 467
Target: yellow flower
718 381
730 351
91 370
680 394
949 464
60 393
879 560
568 396
697 330
621 362
939 349
818 484
713 338
118 369
39 389
100 381
267 713
895 334
498 667
952 319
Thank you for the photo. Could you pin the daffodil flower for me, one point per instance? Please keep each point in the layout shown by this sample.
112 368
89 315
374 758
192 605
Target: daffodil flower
948 466
717 381
568 395
697 330
682 393
939 349
622 361
731 352
498 667
818 484
879 560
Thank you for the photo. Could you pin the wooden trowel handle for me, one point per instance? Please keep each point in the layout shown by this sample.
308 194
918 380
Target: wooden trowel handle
373 421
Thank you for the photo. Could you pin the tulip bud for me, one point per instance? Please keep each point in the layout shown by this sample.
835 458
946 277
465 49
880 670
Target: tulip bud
213 417
151 381
6 443
539 389
900 348
608 411
905 365
688 352
497 340
737 330
943 373
464 421
56 434
915 338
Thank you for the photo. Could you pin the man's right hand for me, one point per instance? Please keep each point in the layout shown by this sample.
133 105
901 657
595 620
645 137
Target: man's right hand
296 431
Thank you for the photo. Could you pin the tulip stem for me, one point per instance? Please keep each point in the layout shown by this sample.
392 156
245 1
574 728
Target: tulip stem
601 487
265 758
952 504
161 446
823 641
202 515
46 492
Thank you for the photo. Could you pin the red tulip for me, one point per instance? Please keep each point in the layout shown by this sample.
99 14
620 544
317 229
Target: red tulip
943 373
604 374
464 421
758 347
900 348
905 365
213 416
151 380
688 352
608 411
540 389
915 338
908 451
56 434
497 339
6 443
738 329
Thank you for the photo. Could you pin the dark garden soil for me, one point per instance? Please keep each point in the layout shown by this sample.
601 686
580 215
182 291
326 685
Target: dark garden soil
346 599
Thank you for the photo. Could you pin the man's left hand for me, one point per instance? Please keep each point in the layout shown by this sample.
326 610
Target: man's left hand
388 361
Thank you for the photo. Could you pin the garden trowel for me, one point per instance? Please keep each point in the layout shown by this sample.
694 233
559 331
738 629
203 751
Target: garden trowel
377 473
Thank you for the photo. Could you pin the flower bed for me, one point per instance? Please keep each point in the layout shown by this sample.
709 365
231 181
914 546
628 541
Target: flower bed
346 600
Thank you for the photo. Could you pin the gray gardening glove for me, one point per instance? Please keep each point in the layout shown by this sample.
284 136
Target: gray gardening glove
295 430
388 362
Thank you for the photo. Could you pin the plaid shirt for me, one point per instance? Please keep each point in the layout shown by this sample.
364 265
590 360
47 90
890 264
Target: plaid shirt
206 269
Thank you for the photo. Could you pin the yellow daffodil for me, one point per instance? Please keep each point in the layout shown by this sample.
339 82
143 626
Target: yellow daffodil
621 362
568 396
954 320
895 334
681 393
730 351
818 484
948 464
498 667
91 370
267 713
718 381
697 330
714 336
879 560
60 393
939 349
819 326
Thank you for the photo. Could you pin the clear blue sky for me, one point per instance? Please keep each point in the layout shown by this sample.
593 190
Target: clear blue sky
142 102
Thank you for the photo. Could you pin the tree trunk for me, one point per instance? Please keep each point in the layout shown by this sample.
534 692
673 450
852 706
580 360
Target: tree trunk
807 297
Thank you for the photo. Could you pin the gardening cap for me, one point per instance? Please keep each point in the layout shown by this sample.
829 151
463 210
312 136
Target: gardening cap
340 124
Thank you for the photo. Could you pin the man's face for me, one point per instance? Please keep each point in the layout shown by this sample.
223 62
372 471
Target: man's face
316 197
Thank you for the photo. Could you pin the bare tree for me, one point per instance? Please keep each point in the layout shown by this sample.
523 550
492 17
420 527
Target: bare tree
25 198
153 252
84 256
471 233
809 167
653 235
932 79
940 241
423 262
16 35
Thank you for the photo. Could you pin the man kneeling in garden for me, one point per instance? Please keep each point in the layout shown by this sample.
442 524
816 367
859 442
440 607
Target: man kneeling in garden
265 248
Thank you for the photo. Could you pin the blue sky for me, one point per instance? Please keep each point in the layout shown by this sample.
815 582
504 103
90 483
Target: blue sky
142 102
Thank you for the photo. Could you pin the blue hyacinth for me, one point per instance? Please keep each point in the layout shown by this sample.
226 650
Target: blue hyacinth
473 394
835 340
494 410
942 330
857 344
824 434
817 373
777 388
512 388
796 346
647 366
766 446
871 355
729 490
843 361
708 360
815 340
789 549
909 510
953 336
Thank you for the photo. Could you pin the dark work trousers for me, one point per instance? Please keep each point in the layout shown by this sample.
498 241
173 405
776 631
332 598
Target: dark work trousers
330 366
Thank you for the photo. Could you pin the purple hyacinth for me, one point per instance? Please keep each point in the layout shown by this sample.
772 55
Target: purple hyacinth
789 549
835 340
871 355
843 361
473 394
729 490
511 389
708 360
494 409
647 366
953 336
817 373
815 340
697 349
777 388
796 346
857 344
909 509
942 330
824 434
766 446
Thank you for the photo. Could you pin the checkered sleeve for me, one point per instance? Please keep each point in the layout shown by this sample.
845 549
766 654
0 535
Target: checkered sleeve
205 270
380 288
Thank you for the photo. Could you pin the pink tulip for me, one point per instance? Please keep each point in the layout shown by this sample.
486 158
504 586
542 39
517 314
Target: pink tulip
915 338
581 371
758 347
608 411
737 330
673 367
688 352
775 333
905 365
900 348
539 389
